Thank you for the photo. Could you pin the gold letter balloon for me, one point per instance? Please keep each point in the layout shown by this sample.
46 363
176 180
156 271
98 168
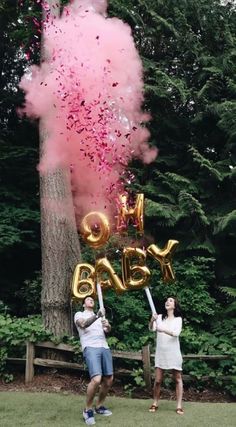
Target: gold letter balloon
83 284
135 213
95 229
134 276
104 267
163 256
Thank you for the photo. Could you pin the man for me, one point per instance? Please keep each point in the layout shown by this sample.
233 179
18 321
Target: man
98 357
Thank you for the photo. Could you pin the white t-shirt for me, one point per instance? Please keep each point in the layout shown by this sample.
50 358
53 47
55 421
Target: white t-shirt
168 355
93 335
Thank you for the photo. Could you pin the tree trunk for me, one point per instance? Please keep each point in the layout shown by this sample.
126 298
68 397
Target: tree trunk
60 251
59 238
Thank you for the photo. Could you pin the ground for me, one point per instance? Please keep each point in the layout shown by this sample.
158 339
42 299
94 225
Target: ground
66 383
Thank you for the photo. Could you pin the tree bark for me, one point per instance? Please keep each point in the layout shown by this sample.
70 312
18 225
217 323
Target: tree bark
60 250
59 237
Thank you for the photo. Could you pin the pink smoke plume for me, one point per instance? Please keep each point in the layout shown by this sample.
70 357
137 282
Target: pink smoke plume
89 93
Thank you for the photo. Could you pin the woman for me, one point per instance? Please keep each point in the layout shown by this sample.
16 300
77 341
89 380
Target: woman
168 355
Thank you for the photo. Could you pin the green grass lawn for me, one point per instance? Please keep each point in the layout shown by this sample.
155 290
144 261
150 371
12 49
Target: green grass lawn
49 410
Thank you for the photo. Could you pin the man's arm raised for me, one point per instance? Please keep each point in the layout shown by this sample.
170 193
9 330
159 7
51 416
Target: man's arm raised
85 323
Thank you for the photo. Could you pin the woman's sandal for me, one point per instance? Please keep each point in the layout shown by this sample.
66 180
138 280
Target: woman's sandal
153 408
179 411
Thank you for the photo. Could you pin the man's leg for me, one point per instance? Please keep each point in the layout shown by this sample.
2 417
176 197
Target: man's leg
107 379
93 357
91 391
105 387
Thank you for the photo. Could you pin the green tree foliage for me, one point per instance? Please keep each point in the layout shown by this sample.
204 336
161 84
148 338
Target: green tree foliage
19 211
188 51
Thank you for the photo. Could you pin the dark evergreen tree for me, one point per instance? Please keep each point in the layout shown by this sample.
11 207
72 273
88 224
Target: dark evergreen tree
19 213
188 50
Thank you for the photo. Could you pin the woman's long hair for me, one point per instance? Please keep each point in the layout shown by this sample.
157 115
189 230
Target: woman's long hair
177 310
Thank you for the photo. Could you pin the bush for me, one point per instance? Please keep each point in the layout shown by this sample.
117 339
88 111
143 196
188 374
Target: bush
221 341
13 334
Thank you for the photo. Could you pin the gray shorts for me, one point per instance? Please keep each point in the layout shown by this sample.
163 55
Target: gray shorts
98 361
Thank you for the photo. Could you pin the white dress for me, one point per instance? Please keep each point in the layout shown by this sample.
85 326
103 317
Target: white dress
168 355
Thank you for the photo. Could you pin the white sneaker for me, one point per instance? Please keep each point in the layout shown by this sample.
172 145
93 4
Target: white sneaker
89 417
103 411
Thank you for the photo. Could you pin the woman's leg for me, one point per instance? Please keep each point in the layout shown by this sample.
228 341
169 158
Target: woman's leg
179 387
157 386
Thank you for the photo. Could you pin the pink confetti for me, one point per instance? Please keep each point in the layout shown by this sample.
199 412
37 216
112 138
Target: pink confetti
89 94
